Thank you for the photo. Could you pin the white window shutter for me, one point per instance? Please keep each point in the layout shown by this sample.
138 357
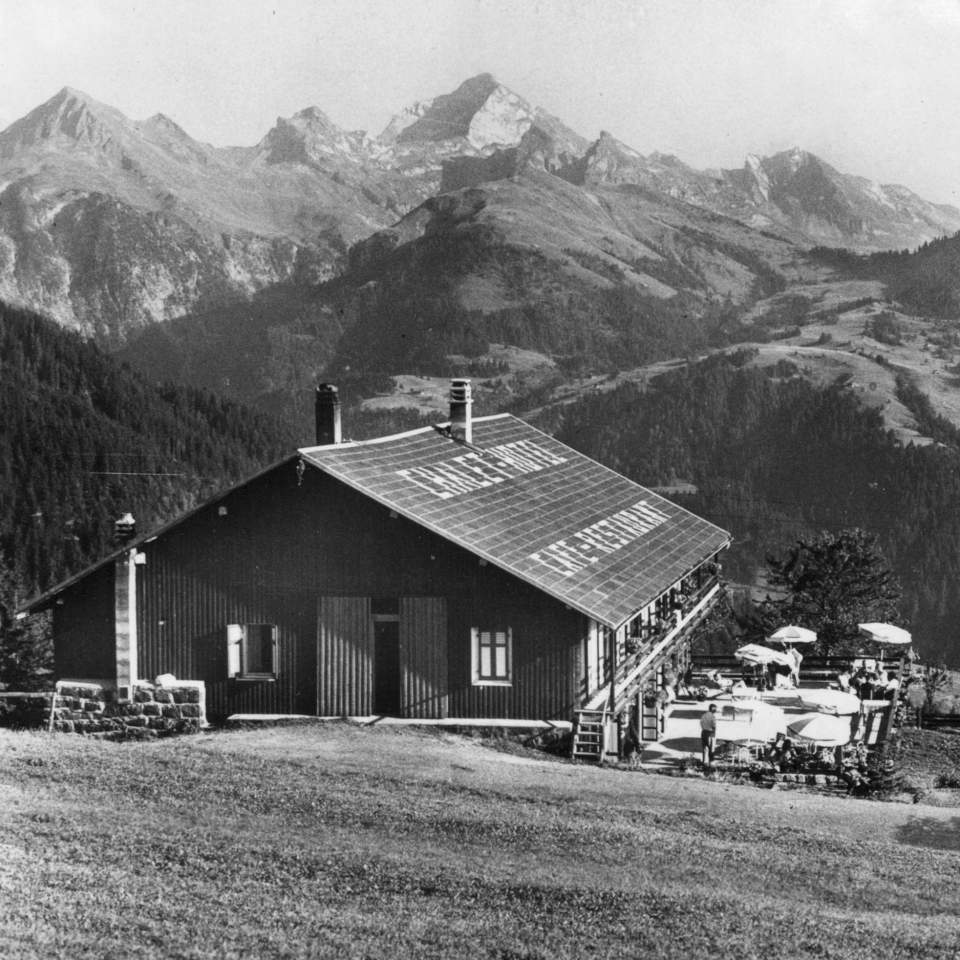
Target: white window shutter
275 652
234 643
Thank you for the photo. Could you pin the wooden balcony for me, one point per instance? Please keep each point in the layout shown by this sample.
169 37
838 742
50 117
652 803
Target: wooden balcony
635 669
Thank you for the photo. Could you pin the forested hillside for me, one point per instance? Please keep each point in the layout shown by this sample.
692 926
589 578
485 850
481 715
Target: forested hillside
925 280
773 457
85 439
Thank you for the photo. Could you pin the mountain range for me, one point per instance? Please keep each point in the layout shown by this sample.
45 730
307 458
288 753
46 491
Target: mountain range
578 281
110 225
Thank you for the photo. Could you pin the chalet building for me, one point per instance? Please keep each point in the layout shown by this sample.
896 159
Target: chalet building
477 569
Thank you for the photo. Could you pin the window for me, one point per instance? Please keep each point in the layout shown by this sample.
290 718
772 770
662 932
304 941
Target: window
492 655
252 651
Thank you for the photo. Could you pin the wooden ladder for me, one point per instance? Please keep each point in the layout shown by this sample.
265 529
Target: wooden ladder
588 735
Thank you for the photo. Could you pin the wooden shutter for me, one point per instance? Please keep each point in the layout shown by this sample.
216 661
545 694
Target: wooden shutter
275 651
344 657
234 645
423 656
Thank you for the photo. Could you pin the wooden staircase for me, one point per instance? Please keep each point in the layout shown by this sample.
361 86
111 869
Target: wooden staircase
589 729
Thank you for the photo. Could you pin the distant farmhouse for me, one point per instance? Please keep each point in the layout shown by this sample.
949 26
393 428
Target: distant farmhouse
476 569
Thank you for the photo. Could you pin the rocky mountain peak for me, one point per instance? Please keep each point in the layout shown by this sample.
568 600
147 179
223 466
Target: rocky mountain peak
310 137
481 111
160 122
791 162
161 131
71 117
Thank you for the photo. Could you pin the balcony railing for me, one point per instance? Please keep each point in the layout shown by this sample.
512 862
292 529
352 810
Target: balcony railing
633 671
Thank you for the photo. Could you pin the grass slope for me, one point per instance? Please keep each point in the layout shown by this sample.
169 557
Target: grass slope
336 841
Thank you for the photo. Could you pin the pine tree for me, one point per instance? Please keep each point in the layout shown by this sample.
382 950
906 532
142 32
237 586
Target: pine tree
26 647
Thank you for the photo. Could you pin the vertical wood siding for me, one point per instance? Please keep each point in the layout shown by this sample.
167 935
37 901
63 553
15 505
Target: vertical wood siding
547 642
423 656
303 554
344 657
84 629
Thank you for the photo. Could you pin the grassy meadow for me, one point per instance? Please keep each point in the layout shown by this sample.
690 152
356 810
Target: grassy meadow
339 841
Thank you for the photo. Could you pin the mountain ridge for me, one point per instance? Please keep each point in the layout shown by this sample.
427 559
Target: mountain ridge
108 223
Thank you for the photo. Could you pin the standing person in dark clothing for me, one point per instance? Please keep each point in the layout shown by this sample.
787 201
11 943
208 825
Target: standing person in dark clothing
708 733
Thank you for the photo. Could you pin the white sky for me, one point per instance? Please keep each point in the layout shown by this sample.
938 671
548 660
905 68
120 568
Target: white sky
869 85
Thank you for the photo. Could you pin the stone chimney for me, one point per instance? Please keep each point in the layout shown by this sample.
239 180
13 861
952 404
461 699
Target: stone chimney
461 420
327 412
124 529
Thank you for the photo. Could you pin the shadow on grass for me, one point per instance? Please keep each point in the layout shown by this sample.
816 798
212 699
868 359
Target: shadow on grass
931 832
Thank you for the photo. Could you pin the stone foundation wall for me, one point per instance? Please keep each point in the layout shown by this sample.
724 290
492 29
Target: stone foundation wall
93 709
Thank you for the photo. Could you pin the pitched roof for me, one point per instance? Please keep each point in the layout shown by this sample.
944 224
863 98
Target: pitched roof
533 506
521 500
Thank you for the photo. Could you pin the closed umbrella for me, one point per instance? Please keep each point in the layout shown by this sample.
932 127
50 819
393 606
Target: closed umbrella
757 653
792 634
830 701
885 633
821 728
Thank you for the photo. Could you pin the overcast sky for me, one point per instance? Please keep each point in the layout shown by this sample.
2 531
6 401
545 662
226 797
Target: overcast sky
872 86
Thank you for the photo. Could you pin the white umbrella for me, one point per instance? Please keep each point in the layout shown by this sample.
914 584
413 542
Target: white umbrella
830 701
821 728
793 634
749 721
757 653
885 633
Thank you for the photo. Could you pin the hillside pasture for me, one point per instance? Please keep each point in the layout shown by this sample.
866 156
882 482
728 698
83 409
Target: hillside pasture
340 841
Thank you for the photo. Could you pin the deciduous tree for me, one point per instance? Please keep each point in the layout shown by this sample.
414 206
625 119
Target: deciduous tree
831 583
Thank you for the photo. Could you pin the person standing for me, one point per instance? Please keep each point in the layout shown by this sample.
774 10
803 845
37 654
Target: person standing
797 657
708 733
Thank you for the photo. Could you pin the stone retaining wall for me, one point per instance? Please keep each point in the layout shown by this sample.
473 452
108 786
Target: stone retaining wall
93 709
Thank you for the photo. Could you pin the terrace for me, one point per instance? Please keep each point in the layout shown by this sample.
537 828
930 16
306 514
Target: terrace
752 725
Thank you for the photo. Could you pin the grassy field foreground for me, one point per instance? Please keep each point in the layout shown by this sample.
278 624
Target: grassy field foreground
338 841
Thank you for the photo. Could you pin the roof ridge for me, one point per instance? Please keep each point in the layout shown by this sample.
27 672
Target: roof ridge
347 444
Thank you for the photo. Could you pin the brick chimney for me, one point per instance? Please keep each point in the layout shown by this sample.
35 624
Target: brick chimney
327 412
461 420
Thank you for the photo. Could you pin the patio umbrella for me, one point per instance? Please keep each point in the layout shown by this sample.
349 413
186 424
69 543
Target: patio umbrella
885 633
750 721
757 653
830 701
821 728
793 634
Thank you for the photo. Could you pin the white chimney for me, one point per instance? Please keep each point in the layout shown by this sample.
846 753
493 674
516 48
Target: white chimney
327 414
124 529
461 420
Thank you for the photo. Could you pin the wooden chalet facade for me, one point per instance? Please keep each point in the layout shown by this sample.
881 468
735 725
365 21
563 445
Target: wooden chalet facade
479 569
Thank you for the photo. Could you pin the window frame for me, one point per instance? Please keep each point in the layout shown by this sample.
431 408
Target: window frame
238 638
477 644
